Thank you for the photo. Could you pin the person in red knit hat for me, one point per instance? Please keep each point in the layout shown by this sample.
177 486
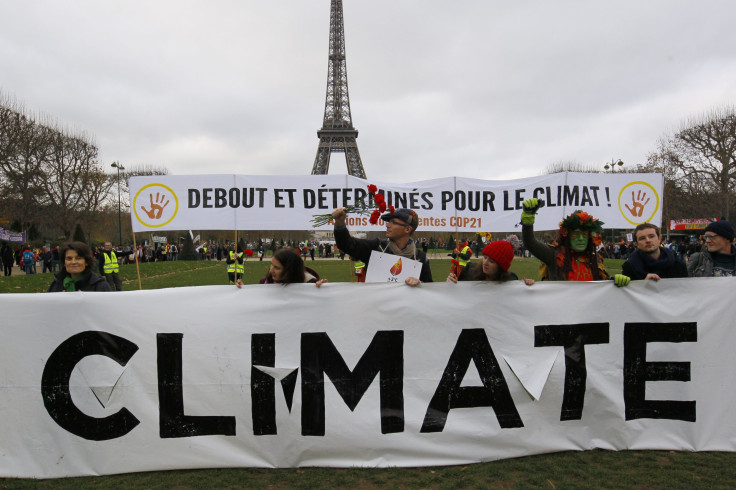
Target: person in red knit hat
497 257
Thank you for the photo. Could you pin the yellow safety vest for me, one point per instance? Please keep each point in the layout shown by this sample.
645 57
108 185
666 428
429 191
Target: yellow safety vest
462 261
359 270
111 263
235 267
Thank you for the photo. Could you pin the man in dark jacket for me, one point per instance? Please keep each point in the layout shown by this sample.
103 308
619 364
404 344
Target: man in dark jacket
650 260
47 258
6 255
400 225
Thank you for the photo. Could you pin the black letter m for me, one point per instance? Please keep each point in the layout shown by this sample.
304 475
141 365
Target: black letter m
319 357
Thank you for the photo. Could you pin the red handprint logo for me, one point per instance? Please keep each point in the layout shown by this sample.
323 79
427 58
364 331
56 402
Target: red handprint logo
157 206
637 206
161 208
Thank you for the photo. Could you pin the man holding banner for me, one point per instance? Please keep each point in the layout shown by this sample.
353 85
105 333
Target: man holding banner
399 227
651 261
235 266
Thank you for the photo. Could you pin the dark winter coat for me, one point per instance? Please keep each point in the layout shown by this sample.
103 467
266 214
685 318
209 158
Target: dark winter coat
89 282
360 249
666 266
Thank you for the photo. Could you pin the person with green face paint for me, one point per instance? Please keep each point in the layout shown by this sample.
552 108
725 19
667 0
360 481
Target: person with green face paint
573 256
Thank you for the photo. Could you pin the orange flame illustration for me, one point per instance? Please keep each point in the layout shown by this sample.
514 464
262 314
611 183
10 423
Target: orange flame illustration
396 269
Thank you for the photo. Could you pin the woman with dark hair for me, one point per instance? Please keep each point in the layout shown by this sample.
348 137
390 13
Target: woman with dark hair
76 271
287 267
494 266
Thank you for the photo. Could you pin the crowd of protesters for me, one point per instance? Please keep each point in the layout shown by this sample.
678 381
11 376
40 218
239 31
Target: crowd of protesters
29 259
576 253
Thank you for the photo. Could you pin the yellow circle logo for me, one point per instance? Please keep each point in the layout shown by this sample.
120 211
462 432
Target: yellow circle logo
641 206
152 205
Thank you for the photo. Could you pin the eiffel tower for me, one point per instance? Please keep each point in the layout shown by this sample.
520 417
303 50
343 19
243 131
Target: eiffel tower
337 134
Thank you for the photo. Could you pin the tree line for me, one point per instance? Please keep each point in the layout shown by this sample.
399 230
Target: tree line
52 183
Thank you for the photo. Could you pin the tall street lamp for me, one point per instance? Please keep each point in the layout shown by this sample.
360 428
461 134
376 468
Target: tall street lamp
120 222
612 166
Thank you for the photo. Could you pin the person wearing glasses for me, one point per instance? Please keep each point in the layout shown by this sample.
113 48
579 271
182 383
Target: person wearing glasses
400 225
573 256
650 261
717 257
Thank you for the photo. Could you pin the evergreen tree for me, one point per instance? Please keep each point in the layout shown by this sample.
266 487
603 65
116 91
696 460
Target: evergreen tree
187 250
32 232
79 234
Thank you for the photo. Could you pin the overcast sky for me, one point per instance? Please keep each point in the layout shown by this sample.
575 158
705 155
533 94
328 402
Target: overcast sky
472 88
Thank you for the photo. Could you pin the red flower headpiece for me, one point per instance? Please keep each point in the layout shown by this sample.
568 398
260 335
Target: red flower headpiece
580 220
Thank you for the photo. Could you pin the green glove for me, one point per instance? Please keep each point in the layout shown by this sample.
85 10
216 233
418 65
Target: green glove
530 210
621 280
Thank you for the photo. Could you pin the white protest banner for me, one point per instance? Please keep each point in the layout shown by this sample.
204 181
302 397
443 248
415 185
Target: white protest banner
252 202
373 375
391 268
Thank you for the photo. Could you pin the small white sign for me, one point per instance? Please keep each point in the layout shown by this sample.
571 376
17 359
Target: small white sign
390 268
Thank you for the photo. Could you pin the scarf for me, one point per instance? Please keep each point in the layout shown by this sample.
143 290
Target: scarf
70 284
643 263
409 251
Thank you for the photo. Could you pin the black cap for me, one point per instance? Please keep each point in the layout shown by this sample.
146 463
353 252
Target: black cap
408 216
722 228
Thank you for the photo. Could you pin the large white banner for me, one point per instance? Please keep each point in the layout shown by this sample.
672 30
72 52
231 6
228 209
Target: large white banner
362 374
252 202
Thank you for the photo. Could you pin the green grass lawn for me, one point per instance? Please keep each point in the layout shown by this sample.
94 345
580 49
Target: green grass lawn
207 273
568 470
586 469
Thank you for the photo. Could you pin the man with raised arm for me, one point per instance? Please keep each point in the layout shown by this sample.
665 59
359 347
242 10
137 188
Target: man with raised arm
399 227
573 257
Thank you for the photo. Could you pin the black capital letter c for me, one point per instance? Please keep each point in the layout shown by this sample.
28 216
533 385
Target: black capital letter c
55 385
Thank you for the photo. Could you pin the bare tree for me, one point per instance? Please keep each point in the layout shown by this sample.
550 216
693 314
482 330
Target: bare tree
24 146
49 177
685 194
706 147
74 183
